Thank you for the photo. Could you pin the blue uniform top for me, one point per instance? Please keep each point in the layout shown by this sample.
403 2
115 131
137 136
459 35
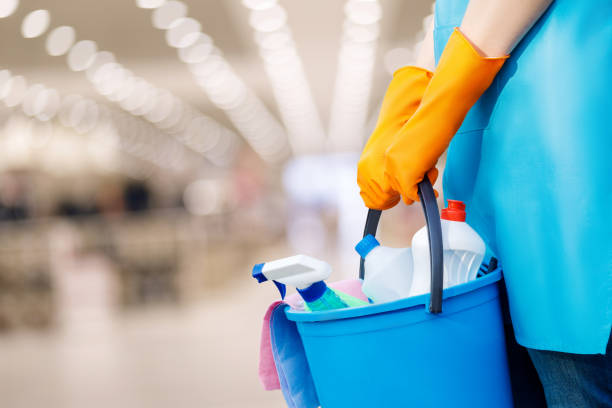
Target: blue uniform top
533 162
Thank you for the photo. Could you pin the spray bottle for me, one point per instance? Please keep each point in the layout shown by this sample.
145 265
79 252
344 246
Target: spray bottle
306 274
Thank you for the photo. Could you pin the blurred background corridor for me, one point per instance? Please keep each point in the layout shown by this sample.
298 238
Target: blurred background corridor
152 151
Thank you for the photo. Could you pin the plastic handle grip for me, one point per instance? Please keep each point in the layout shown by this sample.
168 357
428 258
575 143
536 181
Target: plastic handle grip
434 231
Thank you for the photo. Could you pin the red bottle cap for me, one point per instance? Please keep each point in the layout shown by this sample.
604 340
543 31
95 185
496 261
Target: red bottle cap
454 212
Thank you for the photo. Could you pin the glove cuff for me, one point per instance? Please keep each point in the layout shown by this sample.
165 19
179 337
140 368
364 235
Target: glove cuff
466 70
412 70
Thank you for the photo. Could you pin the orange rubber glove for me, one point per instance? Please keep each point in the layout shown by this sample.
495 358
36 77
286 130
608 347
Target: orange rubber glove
461 77
401 100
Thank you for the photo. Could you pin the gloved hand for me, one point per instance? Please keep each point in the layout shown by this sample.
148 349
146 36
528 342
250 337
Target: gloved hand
461 77
401 100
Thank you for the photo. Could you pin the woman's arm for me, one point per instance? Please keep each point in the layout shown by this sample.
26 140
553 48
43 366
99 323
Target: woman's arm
494 27
471 59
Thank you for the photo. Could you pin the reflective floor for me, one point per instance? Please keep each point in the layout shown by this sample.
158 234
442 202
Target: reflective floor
202 355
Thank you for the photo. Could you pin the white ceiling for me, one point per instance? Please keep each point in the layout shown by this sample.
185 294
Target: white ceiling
121 27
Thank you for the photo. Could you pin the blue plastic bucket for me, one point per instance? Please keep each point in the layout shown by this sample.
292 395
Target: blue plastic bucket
403 354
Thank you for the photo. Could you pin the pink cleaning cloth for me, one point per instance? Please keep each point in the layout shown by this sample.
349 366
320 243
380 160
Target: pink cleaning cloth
267 369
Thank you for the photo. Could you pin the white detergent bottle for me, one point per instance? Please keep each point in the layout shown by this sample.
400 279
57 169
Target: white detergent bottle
463 251
388 271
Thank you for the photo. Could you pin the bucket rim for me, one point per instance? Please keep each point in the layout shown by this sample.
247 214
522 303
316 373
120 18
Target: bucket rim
410 302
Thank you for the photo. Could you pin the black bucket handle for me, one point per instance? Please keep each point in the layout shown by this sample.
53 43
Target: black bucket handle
434 231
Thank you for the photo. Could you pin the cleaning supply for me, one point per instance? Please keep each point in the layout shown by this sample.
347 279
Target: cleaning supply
306 274
405 353
282 361
464 251
388 271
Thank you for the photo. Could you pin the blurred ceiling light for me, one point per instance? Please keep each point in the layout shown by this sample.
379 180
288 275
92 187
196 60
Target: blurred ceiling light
204 133
220 147
78 112
100 59
81 55
216 77
35 23
269 19
164 16
130 92
285 71
286 56
47 105
271 41
354 76
201 48
60 40
229 96
150 93
260 128
150 4
85 115
203 197
30 97
16 89
173 117
101 79
363 11
361 32
8 7
358 52
40 102
111 79
258 4
137 138
202 70
223 151
120 86
5 76
228 92
221 79
65 109
137 96
164 101
183 32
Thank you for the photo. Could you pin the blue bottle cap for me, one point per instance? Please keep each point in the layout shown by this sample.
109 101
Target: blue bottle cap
258 273
313 292
364 246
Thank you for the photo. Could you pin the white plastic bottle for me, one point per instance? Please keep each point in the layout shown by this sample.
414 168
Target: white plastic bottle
388 271
463 251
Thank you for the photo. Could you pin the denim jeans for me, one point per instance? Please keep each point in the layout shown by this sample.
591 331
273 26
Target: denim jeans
575 380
